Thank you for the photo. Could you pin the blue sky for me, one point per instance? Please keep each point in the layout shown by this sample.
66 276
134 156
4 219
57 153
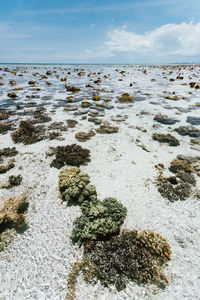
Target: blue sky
148 31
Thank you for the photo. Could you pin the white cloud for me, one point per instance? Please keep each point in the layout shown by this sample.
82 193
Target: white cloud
99 53
168 40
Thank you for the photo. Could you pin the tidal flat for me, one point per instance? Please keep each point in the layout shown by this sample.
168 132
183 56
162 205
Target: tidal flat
131 133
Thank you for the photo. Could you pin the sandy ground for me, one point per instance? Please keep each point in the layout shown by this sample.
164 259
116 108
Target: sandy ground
36 264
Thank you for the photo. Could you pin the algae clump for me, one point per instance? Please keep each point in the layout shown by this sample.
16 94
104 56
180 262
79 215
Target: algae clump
138 257
74 185
99 220
131 256
165 138
73 155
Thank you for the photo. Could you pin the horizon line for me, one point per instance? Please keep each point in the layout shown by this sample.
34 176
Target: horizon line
106 63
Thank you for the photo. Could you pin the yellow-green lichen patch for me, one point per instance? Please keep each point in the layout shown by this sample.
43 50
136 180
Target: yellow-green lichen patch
11 217
74 186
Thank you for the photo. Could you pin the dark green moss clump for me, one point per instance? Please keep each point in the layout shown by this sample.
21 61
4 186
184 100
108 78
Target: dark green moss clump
15 180
8 152
5 168
174 189
133 256
99 220
183 183
130 256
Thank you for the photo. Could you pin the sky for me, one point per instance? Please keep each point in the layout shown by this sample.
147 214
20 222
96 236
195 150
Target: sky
99 31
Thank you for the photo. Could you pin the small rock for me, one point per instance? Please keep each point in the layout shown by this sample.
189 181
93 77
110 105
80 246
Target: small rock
119 118
96 97
193 120
12 95
165 119
95 120
188 130
126 98
71 123
72 89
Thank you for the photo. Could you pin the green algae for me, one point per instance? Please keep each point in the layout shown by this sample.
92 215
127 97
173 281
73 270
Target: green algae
99 220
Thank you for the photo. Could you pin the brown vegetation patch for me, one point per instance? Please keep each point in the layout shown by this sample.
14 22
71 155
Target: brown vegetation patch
73 155
84 136
27 133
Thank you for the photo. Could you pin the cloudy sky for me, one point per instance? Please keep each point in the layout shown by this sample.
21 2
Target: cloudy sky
100 31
